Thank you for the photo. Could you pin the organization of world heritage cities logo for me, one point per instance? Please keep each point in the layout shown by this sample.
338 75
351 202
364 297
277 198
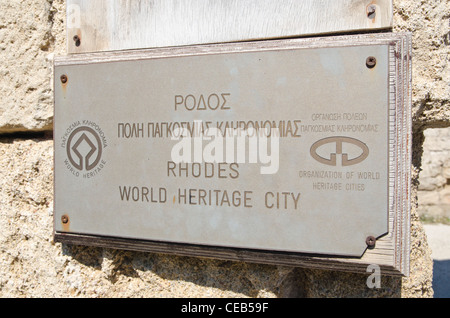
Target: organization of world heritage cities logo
338 143
85 143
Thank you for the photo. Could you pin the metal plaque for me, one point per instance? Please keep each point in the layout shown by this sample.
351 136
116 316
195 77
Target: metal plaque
105 25
285 146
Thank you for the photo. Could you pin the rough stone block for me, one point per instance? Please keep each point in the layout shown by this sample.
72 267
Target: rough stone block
428 197
31 32
428 23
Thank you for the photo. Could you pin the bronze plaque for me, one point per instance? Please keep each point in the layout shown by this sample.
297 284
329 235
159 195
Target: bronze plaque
286 147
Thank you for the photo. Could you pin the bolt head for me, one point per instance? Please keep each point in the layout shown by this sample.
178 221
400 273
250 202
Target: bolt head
77 40
64 219
371 62
371 11
370 241
64 79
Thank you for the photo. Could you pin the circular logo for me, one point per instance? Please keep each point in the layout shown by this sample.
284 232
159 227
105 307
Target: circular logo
84 148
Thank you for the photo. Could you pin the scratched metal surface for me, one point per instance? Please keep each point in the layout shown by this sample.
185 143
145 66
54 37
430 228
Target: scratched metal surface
104 25
296 85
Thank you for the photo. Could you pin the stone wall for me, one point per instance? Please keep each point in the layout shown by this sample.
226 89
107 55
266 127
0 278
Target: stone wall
32 265
434 187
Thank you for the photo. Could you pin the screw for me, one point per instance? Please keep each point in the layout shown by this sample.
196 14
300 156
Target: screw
65 219
370 241
371 62
77 40
64 78
371 11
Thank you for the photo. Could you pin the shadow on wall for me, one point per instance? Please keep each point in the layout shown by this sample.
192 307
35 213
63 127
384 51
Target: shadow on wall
441 278
219 278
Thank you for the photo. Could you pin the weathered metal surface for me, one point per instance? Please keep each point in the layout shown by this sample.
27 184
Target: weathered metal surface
115 174
104 25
